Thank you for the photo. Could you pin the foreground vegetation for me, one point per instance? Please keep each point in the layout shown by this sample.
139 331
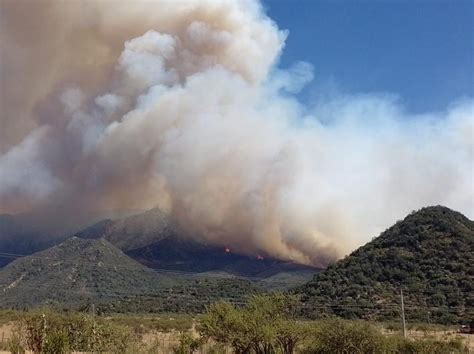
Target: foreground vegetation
46 331
265 325
428 255
269 324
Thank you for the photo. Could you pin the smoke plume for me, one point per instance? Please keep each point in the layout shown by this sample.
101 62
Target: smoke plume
109 105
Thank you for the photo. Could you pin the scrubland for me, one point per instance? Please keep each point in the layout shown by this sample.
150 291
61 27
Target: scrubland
266 324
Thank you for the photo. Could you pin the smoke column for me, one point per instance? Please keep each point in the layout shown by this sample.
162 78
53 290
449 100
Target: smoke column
111 105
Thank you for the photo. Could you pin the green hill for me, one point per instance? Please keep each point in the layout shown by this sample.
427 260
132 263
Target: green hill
74 272
78 272
429 254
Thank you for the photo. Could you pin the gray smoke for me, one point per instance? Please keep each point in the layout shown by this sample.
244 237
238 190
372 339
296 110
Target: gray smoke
131 105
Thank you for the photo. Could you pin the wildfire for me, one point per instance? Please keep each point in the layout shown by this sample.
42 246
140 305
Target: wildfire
259 257
227 250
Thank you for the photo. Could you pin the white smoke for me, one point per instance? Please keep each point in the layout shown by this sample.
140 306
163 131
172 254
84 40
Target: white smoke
193 116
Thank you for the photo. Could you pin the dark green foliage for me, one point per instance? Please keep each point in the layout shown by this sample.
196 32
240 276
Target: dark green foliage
191 297
430 255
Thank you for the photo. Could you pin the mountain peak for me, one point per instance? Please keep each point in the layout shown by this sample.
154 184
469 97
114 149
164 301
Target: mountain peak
438 211
134 231
426 223
155 241
429 254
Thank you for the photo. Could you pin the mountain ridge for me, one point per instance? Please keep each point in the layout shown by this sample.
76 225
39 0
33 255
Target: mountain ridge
157 242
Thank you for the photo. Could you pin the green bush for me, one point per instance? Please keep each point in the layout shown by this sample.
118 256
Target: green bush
340 336
187 344
56 342
267 324
422 346
48 332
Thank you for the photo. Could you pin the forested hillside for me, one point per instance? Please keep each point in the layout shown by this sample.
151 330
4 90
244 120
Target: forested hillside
429 255
78 273
74 272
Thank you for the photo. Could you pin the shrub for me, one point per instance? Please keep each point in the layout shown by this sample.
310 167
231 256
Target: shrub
422 346
187 344
48 332
14 345
341 336
265 324
56 342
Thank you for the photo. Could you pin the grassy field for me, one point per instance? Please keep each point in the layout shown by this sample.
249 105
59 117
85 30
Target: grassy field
180 333
114 333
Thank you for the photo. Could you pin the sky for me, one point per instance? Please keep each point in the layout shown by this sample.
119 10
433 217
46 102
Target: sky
298 130
422 51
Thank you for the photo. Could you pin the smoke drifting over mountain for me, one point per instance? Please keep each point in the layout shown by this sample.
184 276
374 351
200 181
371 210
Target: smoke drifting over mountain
131 105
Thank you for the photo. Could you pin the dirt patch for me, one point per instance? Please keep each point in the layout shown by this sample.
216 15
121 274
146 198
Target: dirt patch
6 332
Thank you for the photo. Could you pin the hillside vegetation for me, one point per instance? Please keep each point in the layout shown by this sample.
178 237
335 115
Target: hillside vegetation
74 272
78 273
429 254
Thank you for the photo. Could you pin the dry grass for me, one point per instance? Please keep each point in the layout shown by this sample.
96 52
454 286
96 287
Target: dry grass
160 334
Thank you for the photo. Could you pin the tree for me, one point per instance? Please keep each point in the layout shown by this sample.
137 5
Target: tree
290 333
263 325
225 324
342 336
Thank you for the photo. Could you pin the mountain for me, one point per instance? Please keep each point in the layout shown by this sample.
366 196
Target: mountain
19 236
26 233
79 272
429 255
74 272
176 253
194 272
155 241
134 231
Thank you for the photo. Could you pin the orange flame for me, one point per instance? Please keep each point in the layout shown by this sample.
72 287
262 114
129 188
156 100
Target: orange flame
227 250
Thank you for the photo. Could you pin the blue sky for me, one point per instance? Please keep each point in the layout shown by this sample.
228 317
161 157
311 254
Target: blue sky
420 50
